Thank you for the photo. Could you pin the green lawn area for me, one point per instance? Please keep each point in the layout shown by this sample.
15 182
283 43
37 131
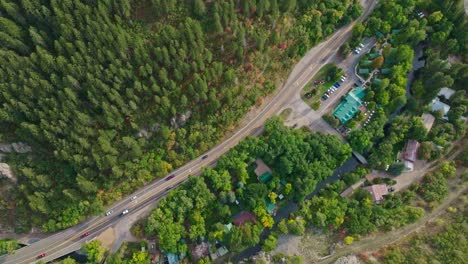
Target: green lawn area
285 113
317 91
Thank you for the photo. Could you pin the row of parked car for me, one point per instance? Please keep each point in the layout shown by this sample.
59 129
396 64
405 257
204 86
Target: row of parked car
333 88
359 48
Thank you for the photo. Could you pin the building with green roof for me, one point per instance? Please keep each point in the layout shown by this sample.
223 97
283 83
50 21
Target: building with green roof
266 177
377 81
366 62
364 71
374 55
386 71
350 105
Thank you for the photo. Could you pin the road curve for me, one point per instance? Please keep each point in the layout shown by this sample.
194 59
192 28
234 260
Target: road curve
68 240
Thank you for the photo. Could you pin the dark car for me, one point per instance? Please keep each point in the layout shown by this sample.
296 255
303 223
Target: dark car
170 177
337 84
41 255
85 234
204 157
325 97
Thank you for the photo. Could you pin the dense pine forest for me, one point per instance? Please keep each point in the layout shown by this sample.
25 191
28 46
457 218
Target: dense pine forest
112 94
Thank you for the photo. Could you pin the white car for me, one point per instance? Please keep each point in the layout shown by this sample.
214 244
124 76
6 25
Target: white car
134 198
109 212
361 45
125 212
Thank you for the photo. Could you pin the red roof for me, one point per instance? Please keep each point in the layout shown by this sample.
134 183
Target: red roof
378 191
244 217
411 150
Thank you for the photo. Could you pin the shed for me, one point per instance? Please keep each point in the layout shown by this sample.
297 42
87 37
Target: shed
386 71
172 258
227 228
266 177
377 81
374 55
363 71
271 208
367 63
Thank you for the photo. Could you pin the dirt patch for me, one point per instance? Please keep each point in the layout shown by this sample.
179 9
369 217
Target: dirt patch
288 244
312 246
107 238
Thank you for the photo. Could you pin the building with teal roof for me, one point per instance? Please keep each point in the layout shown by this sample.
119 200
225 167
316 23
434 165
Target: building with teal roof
386 71
350 105
271 208
374 55
377 81
364 71
366 62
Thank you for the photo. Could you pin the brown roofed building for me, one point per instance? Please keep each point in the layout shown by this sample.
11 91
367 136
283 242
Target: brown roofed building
199 251
428 120
378 191
261 168
411 150
244 217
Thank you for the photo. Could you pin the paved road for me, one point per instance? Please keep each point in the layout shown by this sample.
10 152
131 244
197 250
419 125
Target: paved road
69 239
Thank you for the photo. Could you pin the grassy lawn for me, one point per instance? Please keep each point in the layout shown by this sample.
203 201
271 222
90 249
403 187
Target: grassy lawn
316 91
285 113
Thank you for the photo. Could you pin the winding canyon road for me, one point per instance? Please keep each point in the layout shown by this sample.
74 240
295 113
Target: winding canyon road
69 240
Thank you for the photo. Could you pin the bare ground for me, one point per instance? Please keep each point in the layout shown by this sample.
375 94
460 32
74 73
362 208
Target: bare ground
312 246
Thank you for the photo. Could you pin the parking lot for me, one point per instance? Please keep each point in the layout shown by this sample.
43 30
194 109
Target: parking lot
303 115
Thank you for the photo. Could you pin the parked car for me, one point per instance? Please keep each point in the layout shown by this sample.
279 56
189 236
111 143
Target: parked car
361 45
170 177
325 97
124 212
133 198
41 255
204 157
85 234
109 212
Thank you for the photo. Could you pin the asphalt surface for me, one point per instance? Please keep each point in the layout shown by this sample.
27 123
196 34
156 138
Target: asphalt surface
70 239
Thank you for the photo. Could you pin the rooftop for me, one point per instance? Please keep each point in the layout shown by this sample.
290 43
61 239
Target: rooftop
428 121
377 191
244 217
349 107
261 168
437 105
446 92
411 150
